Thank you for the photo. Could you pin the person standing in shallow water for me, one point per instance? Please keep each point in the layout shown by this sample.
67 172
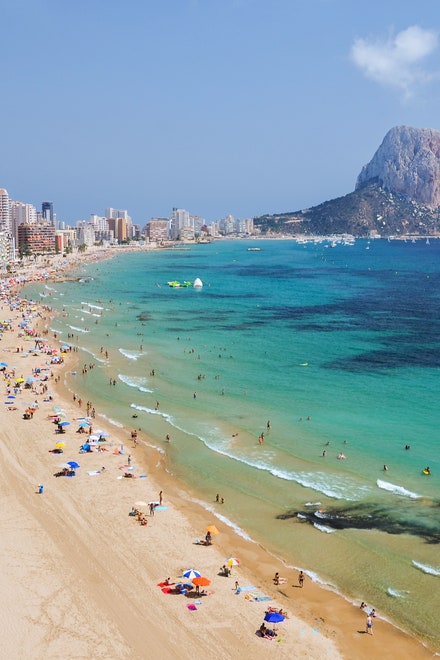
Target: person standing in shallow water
301 579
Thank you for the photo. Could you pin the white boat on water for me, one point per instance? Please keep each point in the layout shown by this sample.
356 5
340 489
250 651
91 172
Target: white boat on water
197 283
254 249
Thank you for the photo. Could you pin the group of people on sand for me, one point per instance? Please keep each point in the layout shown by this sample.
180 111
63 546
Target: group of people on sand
370 616
281 580
139 516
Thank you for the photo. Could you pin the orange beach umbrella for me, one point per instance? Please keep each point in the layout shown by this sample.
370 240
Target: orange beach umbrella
201 581
213 529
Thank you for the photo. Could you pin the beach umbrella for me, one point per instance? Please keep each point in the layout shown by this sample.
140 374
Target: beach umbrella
64 423
103 434
59 445
212 529
19 380
73 464
11 396
83 424
191 573
3 364
64 465
202 582
274 617
233 561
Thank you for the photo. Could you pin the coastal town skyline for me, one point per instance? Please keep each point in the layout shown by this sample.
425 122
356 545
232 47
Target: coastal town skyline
235 109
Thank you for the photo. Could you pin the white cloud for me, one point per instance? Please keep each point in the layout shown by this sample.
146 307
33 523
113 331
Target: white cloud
396 61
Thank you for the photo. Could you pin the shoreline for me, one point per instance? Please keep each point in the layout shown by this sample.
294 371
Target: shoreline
328 616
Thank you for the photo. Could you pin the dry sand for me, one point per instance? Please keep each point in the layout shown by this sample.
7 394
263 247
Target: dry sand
79 575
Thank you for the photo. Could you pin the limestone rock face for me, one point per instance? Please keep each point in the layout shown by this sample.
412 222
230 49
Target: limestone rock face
407 163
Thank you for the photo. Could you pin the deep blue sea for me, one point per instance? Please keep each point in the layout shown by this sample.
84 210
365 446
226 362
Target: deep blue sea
338 347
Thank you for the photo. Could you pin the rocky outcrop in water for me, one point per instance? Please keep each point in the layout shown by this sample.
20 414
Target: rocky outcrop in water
397 193
407 163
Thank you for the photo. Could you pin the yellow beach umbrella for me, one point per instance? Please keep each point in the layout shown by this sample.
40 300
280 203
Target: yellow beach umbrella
60 444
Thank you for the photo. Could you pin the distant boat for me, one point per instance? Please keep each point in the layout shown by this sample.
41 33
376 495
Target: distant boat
254 249
427 241
198 283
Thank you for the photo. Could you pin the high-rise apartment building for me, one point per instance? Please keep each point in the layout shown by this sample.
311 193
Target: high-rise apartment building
22 213
158 229
182 224
119 228
5 210
117 213
36 239
100 223
47 212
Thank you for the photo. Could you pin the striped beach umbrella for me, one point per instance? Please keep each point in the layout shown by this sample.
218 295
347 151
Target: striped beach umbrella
191 573
233 561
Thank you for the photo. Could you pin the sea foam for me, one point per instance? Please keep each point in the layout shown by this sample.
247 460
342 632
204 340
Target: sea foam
73 327
131 355
397 490
92 306
426 568
324 528
152 411
138 382
396 593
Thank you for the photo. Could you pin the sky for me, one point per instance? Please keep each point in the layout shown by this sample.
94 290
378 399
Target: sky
240 107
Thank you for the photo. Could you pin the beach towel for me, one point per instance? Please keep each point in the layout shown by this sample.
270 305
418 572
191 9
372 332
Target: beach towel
248 588
93 473
160 508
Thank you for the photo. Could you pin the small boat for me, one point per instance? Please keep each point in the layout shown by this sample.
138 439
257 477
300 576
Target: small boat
197 283
255 249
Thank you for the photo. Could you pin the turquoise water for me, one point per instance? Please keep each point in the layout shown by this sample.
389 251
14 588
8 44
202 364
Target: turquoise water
337 347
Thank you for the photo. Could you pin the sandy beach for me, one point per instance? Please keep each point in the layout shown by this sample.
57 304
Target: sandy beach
82 574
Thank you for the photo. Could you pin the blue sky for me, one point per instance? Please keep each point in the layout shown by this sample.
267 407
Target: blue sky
216 106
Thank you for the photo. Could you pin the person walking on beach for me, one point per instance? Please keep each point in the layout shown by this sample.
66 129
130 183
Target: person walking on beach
369 625
160 498
301 579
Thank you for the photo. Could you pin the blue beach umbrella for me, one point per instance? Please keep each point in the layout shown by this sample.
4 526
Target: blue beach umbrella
3 364
191 573
82 425
11 396
73 464
274 617
64 423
